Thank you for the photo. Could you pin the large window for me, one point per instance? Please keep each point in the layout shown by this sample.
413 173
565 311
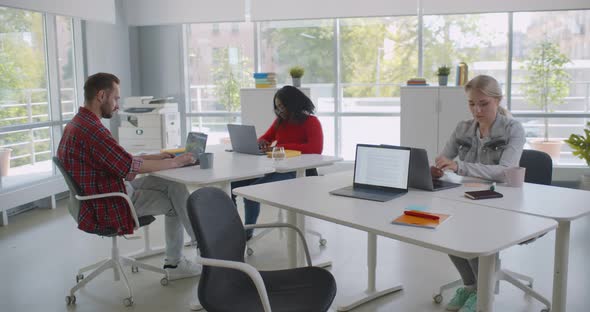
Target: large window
310 44
30 102
377 55
221 62
355 67
556 38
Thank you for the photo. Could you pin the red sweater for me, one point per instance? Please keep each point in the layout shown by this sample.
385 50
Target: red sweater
306 137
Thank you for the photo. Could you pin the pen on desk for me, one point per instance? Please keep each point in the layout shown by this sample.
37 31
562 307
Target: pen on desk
419 214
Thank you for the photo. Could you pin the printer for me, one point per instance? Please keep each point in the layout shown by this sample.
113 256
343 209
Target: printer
149 124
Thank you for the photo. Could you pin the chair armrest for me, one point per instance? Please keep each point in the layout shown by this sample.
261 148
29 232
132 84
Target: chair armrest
125 196
243 267
278 225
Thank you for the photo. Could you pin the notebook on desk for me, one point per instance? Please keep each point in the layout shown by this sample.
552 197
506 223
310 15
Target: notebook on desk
380 173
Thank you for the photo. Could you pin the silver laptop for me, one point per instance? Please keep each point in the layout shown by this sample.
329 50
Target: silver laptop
196 142
380 173
244 140
420 176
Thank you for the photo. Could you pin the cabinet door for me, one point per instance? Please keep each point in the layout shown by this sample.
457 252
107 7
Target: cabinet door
452 109
257 108
419 122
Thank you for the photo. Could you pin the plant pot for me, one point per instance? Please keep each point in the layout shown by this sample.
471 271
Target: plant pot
296 82
442 80
4 161
553 148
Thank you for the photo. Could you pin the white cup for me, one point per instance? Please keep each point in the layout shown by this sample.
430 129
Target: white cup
515 176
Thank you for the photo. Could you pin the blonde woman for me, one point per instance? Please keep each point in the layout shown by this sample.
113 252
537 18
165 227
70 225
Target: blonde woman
485 147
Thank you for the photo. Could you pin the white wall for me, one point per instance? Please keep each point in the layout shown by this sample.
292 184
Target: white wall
158 12
107 49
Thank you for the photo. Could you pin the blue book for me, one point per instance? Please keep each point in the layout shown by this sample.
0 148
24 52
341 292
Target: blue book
260 75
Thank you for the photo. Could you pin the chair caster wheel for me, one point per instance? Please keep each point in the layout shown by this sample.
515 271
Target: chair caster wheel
249 251
438 298
79 277
164 281
134 269
128 301
70 300
323 242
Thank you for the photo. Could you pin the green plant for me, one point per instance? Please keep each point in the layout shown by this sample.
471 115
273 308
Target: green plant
547 82
443 71
580 144
296 71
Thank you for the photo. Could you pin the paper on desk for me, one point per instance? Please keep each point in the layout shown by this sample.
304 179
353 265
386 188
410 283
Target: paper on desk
476 184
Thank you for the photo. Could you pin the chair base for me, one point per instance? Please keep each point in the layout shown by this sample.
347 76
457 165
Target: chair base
249 251
116 262
503 275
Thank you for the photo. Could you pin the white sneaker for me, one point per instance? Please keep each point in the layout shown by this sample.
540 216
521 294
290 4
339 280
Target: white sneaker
184 269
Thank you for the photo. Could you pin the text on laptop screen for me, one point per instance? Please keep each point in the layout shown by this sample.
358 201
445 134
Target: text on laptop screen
380 166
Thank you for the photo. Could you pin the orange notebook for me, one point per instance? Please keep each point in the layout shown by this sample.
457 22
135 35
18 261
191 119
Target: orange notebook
421 222
289 153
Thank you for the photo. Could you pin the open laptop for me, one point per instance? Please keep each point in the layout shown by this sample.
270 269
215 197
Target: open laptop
196 142
380 173
244 140
420 176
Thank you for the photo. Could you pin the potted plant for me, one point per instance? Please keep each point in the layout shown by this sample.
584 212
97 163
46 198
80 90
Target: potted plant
296 73
443 75
546 84
580 145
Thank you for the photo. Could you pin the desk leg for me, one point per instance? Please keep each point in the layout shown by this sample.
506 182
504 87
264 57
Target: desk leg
562 246
486 281
292 240
3 217
371 292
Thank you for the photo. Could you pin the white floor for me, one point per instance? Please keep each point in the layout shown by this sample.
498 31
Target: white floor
41 250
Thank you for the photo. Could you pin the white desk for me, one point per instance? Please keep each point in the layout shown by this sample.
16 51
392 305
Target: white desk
459 236
561 204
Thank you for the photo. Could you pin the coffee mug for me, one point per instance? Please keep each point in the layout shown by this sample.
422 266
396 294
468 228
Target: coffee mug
515 176
206 160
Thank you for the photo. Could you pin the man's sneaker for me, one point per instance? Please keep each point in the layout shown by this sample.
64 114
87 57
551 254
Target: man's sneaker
183 269
460 298
471 304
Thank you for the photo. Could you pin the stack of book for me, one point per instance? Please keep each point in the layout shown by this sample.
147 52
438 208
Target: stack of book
417 82
265 80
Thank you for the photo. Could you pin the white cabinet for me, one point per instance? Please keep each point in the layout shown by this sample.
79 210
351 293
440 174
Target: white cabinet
257 107
429 116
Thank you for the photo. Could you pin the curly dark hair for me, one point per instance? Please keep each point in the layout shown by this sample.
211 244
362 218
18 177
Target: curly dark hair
297 103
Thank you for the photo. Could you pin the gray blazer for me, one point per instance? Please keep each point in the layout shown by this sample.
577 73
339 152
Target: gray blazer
489 157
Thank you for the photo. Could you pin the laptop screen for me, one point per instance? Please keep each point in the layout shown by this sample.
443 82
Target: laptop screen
196 142
382 166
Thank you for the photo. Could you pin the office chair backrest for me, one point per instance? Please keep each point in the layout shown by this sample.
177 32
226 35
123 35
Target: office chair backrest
73 204
539 167
220 235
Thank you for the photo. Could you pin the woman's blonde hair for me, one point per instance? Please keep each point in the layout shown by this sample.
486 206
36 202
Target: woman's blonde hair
489 86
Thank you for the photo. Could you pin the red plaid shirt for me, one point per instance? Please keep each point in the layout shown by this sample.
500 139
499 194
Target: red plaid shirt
99 165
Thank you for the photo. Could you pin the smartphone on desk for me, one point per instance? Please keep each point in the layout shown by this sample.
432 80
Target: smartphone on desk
485 194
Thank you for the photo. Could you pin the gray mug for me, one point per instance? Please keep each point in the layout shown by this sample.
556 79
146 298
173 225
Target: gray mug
206 160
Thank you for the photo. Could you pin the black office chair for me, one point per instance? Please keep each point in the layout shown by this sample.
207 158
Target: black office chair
229 284
116 261
539 167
